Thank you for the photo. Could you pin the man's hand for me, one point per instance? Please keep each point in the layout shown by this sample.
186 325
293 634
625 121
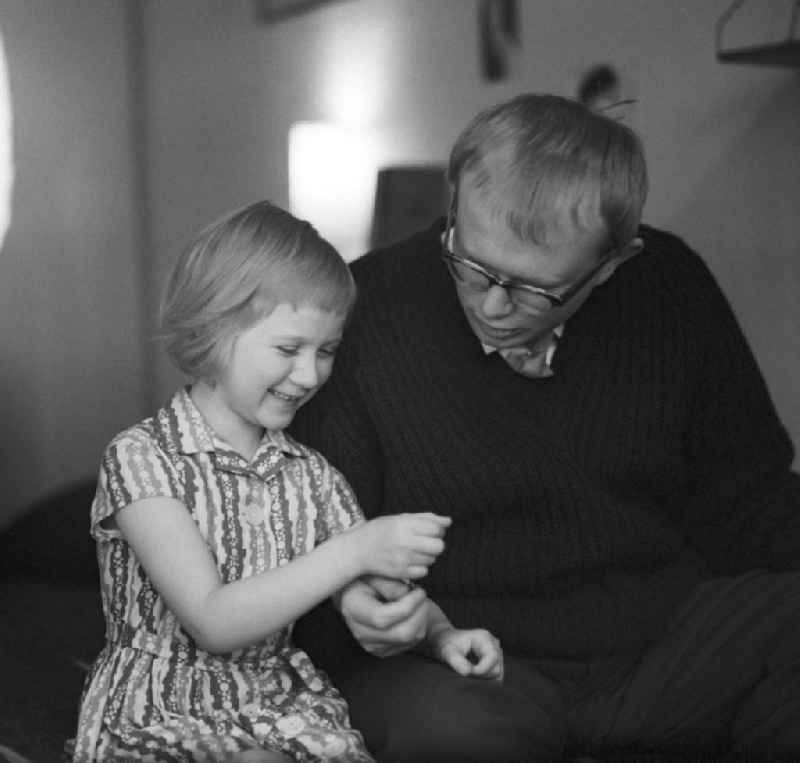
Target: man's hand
473 652
384 628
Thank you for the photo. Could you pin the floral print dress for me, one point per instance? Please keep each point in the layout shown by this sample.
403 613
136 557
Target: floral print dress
152 694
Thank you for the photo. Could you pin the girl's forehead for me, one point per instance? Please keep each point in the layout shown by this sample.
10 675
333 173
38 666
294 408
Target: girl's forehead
302 318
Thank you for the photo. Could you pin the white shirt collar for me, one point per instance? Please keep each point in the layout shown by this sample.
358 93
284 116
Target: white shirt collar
551 350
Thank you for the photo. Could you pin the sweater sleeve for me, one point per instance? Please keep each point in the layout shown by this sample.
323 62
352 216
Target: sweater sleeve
743 510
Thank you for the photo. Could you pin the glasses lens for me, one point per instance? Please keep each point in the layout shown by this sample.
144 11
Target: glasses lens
529 300
467 276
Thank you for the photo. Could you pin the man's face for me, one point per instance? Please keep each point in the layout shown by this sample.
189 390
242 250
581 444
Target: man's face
563 260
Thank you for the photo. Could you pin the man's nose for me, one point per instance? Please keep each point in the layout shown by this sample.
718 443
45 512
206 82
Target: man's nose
496 303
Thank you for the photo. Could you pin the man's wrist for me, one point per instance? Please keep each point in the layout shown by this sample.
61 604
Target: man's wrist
437 625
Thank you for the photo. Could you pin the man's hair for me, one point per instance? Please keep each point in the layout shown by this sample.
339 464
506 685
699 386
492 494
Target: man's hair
541 161
235 272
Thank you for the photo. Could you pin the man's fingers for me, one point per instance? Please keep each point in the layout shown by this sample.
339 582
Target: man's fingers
389 589
392 640
380 615
409 610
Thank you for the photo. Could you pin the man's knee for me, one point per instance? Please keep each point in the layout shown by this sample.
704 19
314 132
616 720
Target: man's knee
768 721
412 709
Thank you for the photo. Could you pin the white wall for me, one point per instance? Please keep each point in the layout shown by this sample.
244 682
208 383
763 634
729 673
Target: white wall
70 333
722 139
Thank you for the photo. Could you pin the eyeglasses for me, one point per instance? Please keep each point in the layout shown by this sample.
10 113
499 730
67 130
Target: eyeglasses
527 296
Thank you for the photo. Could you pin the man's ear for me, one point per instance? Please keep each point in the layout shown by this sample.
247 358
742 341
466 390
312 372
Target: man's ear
629 251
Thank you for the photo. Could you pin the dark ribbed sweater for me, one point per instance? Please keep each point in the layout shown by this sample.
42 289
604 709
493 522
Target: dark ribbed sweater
585 505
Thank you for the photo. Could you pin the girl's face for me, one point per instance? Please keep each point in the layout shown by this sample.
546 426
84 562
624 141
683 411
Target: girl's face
275 366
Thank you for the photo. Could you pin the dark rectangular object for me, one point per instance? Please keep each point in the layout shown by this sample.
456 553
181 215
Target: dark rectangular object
407 199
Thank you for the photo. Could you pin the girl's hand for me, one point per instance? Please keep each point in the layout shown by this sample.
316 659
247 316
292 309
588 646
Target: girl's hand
400 545
473 652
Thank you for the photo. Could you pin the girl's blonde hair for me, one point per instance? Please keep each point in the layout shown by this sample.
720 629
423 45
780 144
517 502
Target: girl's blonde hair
233 274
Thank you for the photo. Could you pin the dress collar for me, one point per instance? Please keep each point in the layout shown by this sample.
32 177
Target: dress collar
182 429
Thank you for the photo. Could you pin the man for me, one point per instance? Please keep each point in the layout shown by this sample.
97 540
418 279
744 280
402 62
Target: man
573 389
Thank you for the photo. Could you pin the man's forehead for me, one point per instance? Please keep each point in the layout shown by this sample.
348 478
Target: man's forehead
546 220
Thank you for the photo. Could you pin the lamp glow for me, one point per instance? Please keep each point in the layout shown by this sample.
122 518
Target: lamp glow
332 175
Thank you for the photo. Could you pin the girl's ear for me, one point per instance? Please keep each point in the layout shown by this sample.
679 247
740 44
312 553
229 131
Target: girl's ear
630 250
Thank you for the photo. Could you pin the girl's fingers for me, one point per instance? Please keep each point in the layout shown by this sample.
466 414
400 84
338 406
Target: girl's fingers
417 571
456 660
428 545
430 524
419 559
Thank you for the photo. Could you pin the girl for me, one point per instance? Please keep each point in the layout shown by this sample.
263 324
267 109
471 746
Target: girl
215 530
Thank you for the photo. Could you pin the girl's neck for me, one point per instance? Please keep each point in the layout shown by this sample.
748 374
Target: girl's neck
242 435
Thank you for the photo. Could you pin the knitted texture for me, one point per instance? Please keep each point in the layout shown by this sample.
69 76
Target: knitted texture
585 505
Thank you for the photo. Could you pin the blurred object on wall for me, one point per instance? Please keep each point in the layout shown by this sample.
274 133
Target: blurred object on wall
269 11
498 32
407 199
599 87
6 151
601 90
332 171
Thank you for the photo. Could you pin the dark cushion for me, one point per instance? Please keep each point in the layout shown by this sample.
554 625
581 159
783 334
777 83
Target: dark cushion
48 635
50 542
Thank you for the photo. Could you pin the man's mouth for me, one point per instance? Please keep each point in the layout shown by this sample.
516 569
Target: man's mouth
496 333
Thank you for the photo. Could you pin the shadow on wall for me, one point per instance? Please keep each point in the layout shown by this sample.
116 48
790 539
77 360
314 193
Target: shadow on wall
759 271
20 467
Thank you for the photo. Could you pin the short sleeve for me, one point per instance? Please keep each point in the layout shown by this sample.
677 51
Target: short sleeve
133 467
339 510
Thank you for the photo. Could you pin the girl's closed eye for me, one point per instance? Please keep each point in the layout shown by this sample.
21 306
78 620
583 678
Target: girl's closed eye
288 350
329 352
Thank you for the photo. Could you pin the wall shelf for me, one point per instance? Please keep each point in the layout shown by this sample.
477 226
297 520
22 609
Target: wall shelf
775 54
783 53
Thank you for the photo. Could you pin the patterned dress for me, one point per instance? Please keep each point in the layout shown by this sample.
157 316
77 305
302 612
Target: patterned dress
152 693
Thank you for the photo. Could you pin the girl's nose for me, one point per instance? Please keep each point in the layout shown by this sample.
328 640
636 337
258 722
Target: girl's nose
305 372
496 303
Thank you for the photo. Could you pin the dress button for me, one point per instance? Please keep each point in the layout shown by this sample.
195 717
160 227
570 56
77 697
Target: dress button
253 512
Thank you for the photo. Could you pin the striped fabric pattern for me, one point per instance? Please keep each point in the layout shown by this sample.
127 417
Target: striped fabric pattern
152 693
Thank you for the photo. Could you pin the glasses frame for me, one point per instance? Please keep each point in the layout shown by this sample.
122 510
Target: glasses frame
555 300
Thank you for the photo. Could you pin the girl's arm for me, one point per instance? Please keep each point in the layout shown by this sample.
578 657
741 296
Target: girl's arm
223 617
